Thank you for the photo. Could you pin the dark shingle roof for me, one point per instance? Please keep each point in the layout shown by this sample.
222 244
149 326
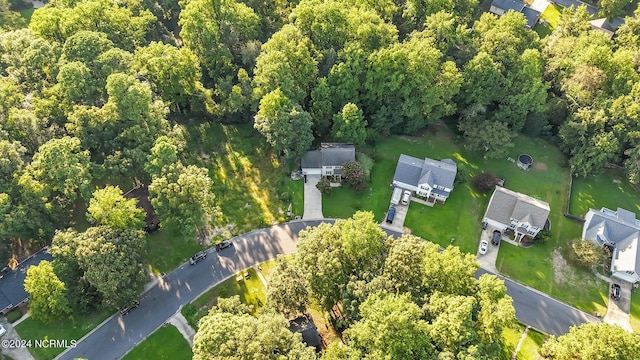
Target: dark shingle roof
506 204
311 160
12 284
336 154
515 5
531 15
414 171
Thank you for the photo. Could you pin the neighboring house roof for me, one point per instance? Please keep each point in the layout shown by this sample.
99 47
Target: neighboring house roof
618 229
414 171
12 291
606 26
531 15
506 5
305 326
330 154
592 10
506 204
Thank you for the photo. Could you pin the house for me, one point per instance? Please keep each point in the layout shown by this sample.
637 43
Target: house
328 160
521 213
428 178
500 7
592 10
620 231
12 292
606 26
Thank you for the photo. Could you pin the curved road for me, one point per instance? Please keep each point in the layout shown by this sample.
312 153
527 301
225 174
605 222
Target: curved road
118 334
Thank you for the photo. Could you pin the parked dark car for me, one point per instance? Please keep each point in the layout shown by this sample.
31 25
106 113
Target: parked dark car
615 292
391 214
126 309
223 245
201 255
497 235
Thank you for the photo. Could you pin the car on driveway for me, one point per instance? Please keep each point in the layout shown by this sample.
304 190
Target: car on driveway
483 246
615 292
200 255
126 309
497 235
406 197
391 214
223 245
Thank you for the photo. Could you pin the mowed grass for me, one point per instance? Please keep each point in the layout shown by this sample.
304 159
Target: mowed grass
634 319
27 13
610 189
529 347
167 249
551 15
165 343
71 329
248 178
251 291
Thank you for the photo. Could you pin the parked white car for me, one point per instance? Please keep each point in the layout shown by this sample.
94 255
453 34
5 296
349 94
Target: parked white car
483 246
406 197
2 330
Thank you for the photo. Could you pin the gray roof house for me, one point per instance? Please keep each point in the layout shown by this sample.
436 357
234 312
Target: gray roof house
328 160
431 179
12 292
620 231
500 7
523 214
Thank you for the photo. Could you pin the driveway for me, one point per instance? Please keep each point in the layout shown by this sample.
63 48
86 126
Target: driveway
398 220
18 352
618 310
312 199
488 260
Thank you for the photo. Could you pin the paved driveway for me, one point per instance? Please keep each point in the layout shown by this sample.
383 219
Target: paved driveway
618 310
398 219
312 199
488 260
17 352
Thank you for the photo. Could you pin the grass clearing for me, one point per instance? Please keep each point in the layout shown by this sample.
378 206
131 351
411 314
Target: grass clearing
71 329
551 16
634 319
251 291
167 249
610 189
27 13
529 347
165 343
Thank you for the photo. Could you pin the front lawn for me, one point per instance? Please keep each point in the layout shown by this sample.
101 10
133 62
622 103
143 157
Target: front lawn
72 329
634 319
251 291
610 189
528 348
164 343
167 249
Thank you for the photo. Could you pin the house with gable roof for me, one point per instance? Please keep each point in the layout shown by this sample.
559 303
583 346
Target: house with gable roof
328 160
620 231
428 178
521 213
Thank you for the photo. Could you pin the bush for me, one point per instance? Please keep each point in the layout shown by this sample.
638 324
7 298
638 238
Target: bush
462 175
189 312
585 253
324 185
485 181
14 315
353 174
366 163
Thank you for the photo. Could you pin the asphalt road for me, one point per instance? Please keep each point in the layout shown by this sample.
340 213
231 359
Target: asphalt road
119 334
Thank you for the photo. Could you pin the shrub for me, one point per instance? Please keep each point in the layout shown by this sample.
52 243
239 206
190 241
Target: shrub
366 163
585 253
189 312
324 185
353 174
485 181
14 315
462 175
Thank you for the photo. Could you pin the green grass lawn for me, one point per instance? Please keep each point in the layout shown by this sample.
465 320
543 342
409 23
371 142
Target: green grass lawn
542 30
251 291
164 343
27 13
72 329
168 248
634 319
529 347
551 15
610 189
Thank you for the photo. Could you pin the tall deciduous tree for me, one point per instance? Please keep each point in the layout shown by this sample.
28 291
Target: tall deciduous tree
592 341
349 125
183 199
112 260
47 294
108 207
493 138
238 335
287 290
284 124
11 153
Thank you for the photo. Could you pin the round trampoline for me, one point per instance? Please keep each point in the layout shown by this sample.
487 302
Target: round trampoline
525 161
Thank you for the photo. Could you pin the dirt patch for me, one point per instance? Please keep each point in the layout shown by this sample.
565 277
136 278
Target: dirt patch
540 166
562 272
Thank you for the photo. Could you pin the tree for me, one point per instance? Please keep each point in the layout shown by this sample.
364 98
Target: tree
183 199
163 153
493 138
108 207
354 175
391 328
112 260
286 62
47 294
485 181
287 291
403 267
11 153
324 185
349 125
612 8
585 253
285 125
237 335
59 168
592 341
